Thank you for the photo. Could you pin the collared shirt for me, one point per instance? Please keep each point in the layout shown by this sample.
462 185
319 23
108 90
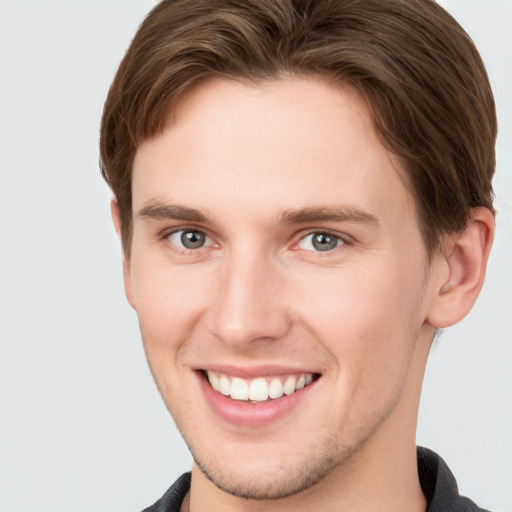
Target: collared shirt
436 479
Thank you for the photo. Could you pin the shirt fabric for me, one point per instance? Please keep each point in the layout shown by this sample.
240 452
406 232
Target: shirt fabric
436 479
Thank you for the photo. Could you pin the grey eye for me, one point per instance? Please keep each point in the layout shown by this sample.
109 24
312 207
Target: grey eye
188 239
320 242
192 239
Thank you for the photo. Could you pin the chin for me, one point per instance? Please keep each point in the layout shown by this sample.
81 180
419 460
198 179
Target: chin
268 484
270 480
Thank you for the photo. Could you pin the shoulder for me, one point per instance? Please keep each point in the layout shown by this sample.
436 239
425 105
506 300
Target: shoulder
439 485
172 499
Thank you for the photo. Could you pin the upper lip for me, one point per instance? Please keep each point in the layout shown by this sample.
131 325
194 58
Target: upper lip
248 372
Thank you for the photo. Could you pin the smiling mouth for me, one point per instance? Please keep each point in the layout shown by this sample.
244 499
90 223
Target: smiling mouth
260 389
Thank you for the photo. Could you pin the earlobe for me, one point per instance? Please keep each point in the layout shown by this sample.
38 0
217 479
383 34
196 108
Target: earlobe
464 262
116 219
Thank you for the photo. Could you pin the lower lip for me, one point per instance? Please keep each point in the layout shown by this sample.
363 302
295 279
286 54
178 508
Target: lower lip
247 414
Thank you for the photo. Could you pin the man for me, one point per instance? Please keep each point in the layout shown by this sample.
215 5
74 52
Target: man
303 192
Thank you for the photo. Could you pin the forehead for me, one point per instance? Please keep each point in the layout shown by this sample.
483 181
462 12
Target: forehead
283 144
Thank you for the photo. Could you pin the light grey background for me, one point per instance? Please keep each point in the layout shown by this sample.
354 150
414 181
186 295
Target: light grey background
81 426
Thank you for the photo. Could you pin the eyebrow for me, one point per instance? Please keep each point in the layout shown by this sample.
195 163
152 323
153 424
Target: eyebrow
328 214
156 210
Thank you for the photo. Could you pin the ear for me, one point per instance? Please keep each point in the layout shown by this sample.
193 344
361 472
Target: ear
463 261
116 219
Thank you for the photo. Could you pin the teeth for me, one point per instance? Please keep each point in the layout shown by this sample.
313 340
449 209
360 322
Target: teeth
214 381
239 389
275 390
224 385
289 385
259 389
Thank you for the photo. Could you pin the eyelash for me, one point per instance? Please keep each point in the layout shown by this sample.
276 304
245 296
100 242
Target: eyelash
342 240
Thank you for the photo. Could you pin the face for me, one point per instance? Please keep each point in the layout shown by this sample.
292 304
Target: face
281 283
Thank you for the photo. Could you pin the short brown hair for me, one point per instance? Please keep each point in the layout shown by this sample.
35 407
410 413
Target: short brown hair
414 65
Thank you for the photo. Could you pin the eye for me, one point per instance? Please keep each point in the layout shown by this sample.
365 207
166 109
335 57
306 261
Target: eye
189 239
320 242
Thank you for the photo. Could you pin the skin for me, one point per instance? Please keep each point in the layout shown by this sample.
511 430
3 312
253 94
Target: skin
361 316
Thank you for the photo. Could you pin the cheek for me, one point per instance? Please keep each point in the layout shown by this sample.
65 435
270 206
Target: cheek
169 303
368 321
352 304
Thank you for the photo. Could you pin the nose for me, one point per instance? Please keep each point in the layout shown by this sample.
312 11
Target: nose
250 302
